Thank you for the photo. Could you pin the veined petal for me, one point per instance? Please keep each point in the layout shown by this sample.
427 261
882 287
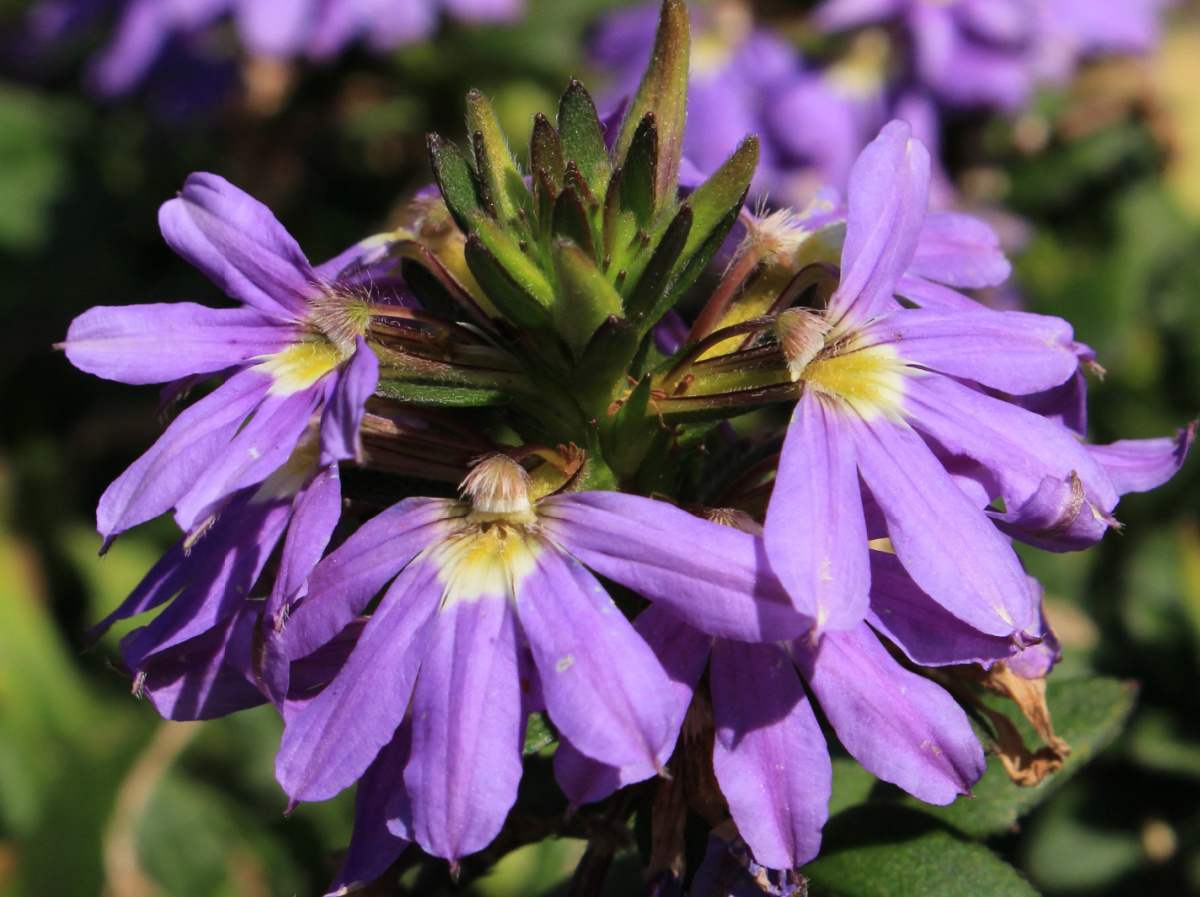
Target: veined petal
947 545
240 245
1139 465
928 294
336 736
683 652
886 203
317 508
166 341
341 586
169 468
900 726
220 575
604 688
1012 351
372 847
769 754
1017 448
815 534
713 577
262 446
343 413
926 632
468 729
960 251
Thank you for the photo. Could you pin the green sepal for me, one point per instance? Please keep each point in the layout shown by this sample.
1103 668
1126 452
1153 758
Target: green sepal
546 150
587 298
439 396
639 193
663 92
571 221
540 736
545 193
430 291
514 284
696 264
712 201
627 436
499 179
649 298
603 363
456 181
582 136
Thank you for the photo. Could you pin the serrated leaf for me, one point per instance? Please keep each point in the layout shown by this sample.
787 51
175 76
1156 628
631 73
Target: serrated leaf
582 136
663 92
438 396
587 299
892 851
456 181
497 170
639 192
1089 713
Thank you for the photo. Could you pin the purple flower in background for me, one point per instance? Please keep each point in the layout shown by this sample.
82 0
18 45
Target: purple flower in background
491 614
148 31
293 353
745 80
995 52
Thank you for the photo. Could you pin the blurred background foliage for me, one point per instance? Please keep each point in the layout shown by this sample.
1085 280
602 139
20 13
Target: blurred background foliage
98 796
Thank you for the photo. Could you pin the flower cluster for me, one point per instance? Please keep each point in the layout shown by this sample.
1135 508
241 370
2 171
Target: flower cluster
666 515
154 32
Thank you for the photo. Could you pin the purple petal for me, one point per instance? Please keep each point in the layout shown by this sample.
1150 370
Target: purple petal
924 630
769 754
838 15
279 28
317 509
343 414
372 847
344 583
928 294
960 251
468 729
604 688
219 577
1016 448
332 740
141 35
1065 405
683 652
193 681
1016 352
262 446
815 535
712 577
900 726
166 341
948 545
161 476
239 244
1057 517
886 200
1139 465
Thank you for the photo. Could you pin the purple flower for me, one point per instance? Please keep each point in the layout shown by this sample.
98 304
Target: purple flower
293 354
747 80
902 430
492 613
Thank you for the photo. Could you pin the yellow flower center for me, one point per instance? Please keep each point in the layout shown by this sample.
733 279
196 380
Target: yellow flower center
301 364
486 560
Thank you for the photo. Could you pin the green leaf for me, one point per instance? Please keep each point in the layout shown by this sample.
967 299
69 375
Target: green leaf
639 193
721 194
1088 712
539 735
546 150
442 396
583 137
455 180
890 851
663 92
587 299
629 434
698 262
572 222
497 170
